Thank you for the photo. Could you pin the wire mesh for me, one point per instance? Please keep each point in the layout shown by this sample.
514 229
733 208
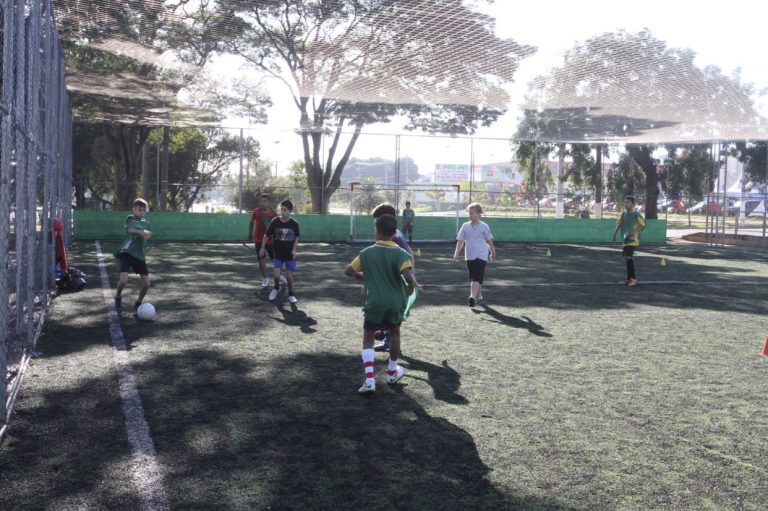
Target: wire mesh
35 182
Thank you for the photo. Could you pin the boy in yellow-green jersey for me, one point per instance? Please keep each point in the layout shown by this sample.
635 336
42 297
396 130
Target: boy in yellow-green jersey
387 273
631 222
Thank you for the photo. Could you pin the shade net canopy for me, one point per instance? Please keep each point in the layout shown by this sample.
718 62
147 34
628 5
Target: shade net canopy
155 63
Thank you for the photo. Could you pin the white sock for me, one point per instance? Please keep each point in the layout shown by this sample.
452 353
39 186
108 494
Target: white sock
392 367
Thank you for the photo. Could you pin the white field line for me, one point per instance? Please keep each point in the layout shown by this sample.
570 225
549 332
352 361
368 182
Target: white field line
145 470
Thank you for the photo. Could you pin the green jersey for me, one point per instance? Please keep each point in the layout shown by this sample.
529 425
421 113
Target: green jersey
386 294
133 244
627 221
408 215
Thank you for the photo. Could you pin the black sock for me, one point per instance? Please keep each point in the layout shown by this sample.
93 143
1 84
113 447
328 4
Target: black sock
630 268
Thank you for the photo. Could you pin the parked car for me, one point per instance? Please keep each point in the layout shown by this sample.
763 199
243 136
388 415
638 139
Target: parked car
702 208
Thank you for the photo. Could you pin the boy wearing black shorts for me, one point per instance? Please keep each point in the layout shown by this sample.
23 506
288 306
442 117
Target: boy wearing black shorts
133 253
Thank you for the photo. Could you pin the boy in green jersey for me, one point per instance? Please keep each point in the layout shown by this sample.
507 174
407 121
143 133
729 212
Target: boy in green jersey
408 217
631 222
133 253
387 274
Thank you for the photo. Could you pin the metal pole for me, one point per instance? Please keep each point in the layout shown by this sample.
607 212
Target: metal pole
765 193
471 167
240 192
157 181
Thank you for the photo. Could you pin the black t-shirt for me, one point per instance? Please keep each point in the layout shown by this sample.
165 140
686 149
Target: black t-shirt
283 235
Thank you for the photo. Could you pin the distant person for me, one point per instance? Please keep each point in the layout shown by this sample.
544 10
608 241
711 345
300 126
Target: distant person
387 275
133 253
408 217
386 208
631 222
283 231
260 218
584 213
476 238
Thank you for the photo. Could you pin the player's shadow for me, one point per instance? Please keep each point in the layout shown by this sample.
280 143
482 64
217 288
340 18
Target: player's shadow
444 380
294 316
524 323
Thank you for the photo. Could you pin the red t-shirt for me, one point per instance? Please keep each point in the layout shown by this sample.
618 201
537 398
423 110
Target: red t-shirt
262 220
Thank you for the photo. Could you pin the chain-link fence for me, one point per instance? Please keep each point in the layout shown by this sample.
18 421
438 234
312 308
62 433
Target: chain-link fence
35 180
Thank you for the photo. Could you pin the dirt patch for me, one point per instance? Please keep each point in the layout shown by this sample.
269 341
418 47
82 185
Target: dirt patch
745 240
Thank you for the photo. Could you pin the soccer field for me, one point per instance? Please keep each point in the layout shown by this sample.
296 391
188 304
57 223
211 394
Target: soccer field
566 392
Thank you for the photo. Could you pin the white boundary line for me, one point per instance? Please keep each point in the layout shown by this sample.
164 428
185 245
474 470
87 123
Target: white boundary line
145 470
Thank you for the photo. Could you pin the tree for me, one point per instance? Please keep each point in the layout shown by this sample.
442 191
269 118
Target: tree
198 159
531 160
617 86
367 198
337 58
626 178
753 155
688 171
92 169
126 55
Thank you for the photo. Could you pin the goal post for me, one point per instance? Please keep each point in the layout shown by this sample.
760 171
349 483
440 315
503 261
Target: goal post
437 208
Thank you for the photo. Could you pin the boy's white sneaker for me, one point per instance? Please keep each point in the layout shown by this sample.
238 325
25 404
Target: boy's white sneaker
394 378
273 294
265 282
367 388
292 299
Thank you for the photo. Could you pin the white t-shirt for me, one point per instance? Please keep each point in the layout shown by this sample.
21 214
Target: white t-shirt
475 237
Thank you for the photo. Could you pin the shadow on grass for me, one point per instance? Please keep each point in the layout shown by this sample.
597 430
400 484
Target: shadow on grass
294 316
525 323
444 380
291 432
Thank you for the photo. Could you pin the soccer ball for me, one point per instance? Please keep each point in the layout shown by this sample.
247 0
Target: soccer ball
146 311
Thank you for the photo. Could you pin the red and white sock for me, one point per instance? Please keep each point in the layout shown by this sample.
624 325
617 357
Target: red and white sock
368 357
392 367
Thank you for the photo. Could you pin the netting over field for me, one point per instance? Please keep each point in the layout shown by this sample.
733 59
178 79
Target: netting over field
613 87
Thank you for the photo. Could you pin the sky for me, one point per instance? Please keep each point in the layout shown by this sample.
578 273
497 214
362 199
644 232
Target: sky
723 34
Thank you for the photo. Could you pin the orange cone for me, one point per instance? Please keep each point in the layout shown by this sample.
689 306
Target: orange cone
765 348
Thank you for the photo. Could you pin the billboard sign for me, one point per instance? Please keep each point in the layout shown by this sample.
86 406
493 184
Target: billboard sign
451 173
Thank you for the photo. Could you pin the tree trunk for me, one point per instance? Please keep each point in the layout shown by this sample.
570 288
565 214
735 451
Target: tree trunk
642 156
126 143
325 179
145 172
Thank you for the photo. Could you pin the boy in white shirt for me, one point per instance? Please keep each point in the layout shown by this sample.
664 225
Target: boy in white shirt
476 238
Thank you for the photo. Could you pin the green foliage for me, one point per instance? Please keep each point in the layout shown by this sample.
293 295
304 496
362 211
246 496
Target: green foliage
198 161
687 172
367 197
531 160
626 178
93 171
752 154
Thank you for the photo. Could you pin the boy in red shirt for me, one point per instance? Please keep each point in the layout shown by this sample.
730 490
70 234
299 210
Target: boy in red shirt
261 217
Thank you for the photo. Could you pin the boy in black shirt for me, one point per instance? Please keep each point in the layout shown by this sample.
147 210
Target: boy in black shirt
284 232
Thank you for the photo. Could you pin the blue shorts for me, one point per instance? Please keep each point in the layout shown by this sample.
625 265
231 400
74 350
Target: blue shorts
290 265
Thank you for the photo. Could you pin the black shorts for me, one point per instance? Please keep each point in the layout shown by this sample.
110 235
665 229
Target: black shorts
270 250
476 269
128 262
628 251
